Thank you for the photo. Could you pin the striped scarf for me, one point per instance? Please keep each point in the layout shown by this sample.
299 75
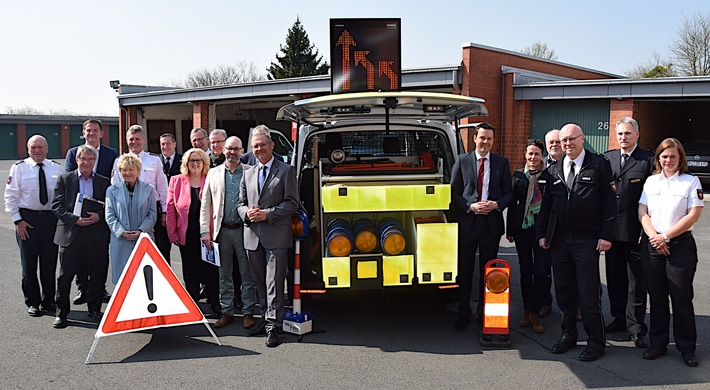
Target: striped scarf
533 199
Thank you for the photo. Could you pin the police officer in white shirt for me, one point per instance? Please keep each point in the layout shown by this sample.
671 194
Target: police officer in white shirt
28 201
670 205
152 171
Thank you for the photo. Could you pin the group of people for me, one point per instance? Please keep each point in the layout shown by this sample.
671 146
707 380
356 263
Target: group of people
567 208
203 196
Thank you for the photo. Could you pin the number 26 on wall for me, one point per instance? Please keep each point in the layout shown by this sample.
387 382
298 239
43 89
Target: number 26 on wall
603 125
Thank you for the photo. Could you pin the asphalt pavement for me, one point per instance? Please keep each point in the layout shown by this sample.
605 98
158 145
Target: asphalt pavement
375 340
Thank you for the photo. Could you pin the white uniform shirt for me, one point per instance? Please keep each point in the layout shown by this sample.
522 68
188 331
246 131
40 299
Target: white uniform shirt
151 173
669 199
22 186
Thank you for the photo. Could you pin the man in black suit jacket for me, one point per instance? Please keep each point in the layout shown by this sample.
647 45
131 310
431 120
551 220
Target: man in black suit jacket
627 290
92 132
83 241
478 198
171 161
580 196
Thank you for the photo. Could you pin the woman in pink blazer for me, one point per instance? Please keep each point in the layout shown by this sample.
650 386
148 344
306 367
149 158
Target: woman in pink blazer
183 226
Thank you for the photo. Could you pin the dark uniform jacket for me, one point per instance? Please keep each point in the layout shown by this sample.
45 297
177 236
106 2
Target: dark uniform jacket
629 182
588 210
63 207
516 212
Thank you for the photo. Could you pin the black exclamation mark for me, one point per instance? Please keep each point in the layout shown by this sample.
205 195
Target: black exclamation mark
148 272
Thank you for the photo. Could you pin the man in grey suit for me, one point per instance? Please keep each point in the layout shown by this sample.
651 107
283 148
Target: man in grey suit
83 240
268 197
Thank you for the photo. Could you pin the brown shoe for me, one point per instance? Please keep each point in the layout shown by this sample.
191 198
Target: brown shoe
525 321
223 321
536 324
545 310
249 321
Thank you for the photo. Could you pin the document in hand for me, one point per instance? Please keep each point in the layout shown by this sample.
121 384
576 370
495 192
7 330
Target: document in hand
211 256
84 204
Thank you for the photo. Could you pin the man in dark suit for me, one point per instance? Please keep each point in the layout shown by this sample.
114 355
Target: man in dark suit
481 189
268 197
92 132
171 166
82 240
627 289
580 195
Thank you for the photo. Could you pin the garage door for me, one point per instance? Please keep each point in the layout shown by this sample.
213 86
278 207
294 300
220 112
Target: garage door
591 115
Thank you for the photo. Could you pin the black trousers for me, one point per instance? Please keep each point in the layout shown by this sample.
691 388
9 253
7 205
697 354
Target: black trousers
162 241
535 270
38 252
626 285
672 276
194 269
575 265
83 253
478 239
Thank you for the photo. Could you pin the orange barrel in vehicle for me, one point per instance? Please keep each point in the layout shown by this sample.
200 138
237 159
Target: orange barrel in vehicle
339 239
392 238
365 234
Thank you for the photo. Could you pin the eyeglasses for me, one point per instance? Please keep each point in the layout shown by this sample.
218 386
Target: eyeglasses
195 161
257 146
569 139
232 149
217 142
86 158
198 139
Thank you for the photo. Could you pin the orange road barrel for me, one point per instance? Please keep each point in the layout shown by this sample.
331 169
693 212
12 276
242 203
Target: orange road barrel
392 238
365 235
339 239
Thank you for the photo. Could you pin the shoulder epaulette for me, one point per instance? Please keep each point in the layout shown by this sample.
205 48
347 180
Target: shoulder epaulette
19 162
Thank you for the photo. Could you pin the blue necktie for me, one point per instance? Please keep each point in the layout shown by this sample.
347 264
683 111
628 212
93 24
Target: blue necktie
262 177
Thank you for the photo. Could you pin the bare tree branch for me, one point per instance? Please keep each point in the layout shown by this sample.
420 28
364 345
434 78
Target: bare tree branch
540 49
241 72
692 47
657 66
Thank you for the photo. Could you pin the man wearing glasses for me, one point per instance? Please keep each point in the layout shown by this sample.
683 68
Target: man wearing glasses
217 139
580 193
198 139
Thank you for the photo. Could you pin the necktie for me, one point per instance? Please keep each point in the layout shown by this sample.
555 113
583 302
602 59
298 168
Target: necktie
262 177
624 158
42 185
481 171
570 175
166 166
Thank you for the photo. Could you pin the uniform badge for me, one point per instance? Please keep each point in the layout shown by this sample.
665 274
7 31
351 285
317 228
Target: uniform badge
9 179
700 192
613 186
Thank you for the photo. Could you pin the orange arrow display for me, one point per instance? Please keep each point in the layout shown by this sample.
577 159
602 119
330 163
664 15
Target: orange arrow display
385 68
346 40
360 57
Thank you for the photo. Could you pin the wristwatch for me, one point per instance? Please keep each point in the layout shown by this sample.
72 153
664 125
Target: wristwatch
666 238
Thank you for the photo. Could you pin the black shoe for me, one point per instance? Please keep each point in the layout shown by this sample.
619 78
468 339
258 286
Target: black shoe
50 309
258 330
95 315
80 298
591 354
272 339
640 340
652 352
462 323
689 359
615 326
563 345
34 311
106 297
59 323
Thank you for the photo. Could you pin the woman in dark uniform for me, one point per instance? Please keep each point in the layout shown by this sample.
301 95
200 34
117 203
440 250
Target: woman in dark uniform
670 205
528 187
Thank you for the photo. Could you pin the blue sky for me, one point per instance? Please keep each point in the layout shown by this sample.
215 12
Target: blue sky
61 55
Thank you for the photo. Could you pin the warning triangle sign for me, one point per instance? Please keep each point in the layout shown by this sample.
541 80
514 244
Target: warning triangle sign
148 295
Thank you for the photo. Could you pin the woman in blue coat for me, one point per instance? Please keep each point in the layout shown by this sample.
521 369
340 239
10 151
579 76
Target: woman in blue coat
130 211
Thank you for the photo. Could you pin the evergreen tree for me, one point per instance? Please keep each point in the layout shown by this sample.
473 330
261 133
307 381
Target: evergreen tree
298 58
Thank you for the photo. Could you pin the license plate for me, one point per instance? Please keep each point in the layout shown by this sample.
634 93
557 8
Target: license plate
697 163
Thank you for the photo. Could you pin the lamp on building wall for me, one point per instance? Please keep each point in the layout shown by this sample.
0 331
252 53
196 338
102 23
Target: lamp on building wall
115 84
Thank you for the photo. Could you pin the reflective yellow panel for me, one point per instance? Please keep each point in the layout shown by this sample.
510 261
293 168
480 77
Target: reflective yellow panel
367 270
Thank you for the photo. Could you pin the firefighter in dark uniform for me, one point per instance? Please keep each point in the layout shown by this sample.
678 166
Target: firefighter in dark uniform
624 275
670 205
581 201
28 201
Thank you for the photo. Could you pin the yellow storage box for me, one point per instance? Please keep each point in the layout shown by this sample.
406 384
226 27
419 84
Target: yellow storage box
373 198
397 270
437 253
336 272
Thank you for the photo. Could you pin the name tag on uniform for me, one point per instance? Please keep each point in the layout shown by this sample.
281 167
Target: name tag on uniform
149 169
558 181
542 181
585 178
634 180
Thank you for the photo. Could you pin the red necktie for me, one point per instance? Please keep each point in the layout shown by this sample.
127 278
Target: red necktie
481 170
